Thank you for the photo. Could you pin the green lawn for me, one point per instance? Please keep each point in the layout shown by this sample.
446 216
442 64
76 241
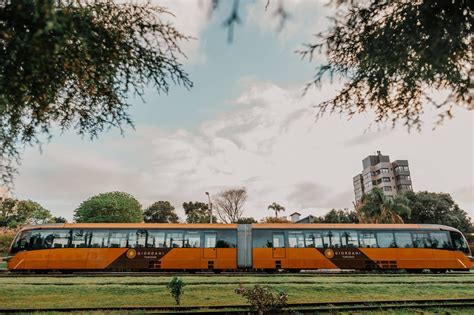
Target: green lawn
48 292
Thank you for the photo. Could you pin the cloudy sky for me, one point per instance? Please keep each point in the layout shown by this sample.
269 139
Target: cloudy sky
245 123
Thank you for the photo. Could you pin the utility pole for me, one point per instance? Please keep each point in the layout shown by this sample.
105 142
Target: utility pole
210 206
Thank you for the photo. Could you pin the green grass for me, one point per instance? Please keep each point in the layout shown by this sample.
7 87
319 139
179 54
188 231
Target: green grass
50 292
3 265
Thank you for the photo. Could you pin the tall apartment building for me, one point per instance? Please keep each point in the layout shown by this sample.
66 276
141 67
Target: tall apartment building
4 193
392 178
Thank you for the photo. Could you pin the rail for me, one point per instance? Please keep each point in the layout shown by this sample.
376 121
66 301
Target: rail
244 309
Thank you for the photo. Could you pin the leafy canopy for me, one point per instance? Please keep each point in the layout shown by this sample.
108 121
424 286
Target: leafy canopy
16 213
160 212
378 208
197 212
71 64
110 207
436 208
392 54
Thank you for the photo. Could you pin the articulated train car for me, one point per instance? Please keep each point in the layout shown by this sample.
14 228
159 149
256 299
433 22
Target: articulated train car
219 247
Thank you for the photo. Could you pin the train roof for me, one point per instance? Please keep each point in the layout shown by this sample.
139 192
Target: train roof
273 226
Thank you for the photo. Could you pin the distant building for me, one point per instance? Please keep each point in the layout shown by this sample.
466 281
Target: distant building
392 178
4 193
295 217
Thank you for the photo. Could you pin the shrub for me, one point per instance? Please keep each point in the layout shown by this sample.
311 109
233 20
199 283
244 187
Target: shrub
6 238
263 300
176 287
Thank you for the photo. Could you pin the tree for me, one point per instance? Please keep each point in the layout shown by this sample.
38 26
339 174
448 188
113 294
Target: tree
15 213
59 220
276 207
436 208
244 220
160 212
176 287
275 220
229 204
392 53
377 208
72 64
337 216
110 207
197 212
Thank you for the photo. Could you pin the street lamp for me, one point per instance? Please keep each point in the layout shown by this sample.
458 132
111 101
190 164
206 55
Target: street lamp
210 205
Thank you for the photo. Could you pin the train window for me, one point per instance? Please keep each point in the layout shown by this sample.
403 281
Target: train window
79 239
61 238
22 243
332 239
210 240
137 238
226 239
403 239
99 239
41 239
314 239
262 239
295 239
367 239
386 240
119 239
156 239
278 240
421 240
174 239
458 242
192 239
440 240
349 239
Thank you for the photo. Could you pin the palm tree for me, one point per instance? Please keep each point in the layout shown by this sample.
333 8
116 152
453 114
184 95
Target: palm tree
276 207
375 207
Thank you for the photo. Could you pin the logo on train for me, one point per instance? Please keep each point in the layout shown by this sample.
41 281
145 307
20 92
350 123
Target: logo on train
131 253
329 253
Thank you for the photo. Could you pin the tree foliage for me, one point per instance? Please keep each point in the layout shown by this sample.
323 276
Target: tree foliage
72 64
16 213
276 207
197 212
230 204
263 300
245 220
176 287
160 212
110 207
337 216
436 208
275 220
6 239
393 53
378 208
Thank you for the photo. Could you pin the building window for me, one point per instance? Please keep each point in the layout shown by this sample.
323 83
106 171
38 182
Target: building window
386 179
387 188
384 170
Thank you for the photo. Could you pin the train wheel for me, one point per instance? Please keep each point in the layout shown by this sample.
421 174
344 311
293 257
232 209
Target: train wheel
415 271
270 270
438 271
294 270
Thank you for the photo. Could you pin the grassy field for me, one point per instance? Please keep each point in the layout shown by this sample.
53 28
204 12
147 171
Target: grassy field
52 292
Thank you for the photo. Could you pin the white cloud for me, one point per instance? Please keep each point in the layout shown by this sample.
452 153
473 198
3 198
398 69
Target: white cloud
191 18
269 142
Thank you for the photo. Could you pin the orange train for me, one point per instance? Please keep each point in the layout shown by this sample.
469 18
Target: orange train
218 247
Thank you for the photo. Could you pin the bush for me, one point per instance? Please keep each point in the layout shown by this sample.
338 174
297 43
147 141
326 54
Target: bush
6 238
263 300
176 287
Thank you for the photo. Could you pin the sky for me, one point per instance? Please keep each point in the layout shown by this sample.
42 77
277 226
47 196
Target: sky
245 123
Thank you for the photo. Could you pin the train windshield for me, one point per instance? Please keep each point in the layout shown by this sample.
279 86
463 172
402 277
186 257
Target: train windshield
459 242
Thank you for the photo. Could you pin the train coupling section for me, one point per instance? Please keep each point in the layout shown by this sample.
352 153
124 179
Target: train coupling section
7 258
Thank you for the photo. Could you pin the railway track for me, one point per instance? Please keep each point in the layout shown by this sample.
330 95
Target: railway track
320 307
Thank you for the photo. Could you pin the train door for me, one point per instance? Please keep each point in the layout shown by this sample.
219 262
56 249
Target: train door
209 250
279 250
